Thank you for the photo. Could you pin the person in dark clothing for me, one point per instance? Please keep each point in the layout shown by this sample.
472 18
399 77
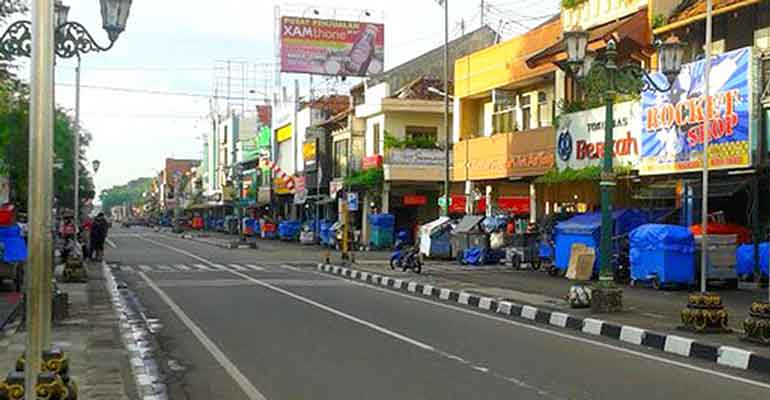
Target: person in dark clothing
99 235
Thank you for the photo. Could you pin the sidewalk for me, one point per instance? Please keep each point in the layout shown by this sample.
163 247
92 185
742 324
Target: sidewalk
645 308
89 338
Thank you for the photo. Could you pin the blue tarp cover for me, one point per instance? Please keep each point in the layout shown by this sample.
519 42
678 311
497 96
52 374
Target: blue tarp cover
382 220
745 259
585 228
651 237
289 229
14 248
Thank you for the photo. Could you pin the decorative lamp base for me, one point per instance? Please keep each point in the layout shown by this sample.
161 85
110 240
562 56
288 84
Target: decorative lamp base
757 324
606 299
705 314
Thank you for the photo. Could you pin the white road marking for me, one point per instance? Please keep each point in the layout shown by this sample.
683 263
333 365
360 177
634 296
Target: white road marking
164 268
182 267
256 267
126 268
203 267
248 388
238 267
145 268
110 243
523 325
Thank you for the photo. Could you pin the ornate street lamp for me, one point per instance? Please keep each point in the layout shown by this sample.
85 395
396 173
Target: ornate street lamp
96 164
609 79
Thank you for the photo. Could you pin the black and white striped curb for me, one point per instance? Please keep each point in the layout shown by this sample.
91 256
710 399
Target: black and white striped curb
682 346
135 331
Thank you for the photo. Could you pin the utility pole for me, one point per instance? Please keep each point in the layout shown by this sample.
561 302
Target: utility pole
483 10
40 196
706 133
447 136
295 134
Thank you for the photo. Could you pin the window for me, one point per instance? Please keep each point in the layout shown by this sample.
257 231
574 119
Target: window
543 110
526 113
340 158
376 140
504 114
224 137
423 134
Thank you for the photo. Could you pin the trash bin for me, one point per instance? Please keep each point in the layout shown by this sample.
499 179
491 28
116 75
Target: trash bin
721 258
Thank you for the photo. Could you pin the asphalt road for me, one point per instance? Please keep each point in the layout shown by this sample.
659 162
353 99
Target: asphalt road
262 324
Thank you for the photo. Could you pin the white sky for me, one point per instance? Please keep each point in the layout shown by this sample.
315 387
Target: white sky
172 46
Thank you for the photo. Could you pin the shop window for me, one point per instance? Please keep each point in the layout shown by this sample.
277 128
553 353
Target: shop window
422 133
376 139
526 113
340 158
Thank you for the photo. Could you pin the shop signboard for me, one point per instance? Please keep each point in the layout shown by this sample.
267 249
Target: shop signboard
283 133
352 201
580 137
310 154
415 200
300 190
416 157
331 47
371 162
514 204
673 122
263 138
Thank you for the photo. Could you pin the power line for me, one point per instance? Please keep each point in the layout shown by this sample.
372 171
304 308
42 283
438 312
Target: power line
159 92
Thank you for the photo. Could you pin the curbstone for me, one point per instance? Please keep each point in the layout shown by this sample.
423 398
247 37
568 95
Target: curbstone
723 355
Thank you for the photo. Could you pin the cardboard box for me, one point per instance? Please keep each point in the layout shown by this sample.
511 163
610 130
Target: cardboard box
581 262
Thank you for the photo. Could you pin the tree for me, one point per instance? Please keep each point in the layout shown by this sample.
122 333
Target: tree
132 193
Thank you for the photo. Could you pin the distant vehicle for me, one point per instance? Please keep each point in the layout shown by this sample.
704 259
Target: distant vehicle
136 221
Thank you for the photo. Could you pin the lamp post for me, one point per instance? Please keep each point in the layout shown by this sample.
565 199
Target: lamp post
609 79
447 135
48 34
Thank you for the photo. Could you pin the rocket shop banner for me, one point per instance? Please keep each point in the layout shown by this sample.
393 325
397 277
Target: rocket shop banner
330 47
673 122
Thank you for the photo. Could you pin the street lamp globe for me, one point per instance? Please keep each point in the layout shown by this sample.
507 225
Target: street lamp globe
576 42
114 17
60 13
96 164
671 54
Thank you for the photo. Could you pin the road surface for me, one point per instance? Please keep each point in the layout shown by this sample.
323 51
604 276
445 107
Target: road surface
263 324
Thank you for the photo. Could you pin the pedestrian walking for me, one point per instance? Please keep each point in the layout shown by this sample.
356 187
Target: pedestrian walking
99 235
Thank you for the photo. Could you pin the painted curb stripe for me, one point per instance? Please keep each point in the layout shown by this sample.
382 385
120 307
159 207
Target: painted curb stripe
724 355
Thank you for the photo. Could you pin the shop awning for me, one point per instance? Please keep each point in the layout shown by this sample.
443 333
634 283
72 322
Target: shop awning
634 27
720 187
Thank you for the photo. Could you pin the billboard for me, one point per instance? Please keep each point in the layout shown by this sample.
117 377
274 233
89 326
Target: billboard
330 47
672 122
580 137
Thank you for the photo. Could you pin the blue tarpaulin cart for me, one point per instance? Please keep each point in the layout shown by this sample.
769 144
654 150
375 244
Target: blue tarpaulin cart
586 229
745 260
13 255
662 255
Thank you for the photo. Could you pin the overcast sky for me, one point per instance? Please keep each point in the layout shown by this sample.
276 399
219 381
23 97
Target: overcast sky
172 46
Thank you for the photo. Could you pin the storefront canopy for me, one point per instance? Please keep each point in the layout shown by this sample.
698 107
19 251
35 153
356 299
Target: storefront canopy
725 186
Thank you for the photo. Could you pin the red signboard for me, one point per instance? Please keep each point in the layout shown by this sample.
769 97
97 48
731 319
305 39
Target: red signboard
514 204
265 114
458 204
415 200
329 47
371 162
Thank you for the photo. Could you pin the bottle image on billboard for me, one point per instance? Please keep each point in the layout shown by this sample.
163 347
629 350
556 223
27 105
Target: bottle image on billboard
362 52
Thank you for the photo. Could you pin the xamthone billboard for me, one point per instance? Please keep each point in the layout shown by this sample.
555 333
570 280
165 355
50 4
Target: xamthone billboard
330 47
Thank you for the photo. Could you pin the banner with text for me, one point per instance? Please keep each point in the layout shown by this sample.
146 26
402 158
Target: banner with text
673 122
580 137
329 47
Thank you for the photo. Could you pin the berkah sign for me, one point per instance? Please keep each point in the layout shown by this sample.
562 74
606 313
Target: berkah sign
673 122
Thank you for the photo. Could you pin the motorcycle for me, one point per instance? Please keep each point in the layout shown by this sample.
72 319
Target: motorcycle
406 257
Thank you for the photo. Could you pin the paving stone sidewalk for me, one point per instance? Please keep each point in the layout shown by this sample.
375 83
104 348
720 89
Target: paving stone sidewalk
90 338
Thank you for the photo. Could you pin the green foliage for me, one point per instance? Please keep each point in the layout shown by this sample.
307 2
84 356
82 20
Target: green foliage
570 4
658 21
130 193
591 173
418 142
367 179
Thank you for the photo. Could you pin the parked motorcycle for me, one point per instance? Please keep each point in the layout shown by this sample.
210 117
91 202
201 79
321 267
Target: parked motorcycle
406 257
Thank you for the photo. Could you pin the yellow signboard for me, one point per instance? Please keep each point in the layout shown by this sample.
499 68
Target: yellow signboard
283 133
308 151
